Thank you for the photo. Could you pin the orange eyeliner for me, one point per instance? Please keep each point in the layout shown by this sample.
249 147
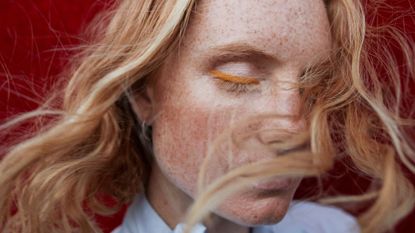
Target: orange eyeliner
233 78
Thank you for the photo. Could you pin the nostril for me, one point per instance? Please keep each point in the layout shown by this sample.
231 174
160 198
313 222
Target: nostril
270 137
280 134
282 141
301 147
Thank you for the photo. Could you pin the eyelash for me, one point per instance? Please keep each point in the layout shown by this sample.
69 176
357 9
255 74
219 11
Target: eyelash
237 87
233 83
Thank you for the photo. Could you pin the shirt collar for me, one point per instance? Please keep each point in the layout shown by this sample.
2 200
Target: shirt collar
141 217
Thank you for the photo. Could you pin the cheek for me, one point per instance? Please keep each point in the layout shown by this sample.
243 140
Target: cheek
181 137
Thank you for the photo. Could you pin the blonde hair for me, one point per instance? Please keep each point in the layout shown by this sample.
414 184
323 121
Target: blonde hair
55 178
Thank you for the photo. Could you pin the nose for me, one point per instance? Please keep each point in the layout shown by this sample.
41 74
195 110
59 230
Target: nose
283 99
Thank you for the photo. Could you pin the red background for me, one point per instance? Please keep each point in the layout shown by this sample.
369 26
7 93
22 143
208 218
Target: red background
36 37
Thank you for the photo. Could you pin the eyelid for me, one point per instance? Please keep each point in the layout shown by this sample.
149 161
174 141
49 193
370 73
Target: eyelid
233 78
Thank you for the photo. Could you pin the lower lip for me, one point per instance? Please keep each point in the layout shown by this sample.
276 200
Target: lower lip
274 184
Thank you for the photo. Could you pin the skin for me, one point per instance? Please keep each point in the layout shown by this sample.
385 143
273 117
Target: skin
188 107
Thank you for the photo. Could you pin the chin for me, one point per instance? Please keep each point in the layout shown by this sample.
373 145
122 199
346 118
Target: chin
255 208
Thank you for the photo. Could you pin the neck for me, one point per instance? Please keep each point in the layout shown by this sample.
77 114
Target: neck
172 203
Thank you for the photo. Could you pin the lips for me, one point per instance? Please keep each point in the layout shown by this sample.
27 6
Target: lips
274 184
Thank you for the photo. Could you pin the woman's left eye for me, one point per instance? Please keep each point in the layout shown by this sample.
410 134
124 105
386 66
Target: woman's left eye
234 83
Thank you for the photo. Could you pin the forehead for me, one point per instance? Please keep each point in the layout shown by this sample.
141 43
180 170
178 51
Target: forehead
285 28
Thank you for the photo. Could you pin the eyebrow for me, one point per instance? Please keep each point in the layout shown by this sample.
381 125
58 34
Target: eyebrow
239 50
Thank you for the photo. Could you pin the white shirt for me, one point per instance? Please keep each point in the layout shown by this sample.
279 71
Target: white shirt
301 217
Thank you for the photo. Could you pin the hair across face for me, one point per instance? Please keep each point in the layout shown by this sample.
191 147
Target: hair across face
237 60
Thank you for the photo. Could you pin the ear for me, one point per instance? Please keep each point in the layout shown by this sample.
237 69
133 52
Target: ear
142 102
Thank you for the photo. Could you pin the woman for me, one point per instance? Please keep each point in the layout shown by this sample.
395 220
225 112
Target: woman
228 103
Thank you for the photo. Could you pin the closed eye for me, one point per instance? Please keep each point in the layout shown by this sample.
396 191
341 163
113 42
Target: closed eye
233 78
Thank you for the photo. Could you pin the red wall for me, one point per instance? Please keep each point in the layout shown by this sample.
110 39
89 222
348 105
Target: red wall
34 39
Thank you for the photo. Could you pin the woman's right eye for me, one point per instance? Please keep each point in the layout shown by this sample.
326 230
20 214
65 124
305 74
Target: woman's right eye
234 83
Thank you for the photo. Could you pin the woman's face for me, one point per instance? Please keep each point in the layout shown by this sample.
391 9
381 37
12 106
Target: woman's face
238 59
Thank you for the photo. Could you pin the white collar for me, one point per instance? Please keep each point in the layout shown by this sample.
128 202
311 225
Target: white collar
141 217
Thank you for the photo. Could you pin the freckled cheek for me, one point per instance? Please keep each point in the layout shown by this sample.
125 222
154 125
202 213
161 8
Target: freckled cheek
181 136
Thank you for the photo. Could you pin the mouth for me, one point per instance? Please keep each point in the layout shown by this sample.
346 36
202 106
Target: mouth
274 184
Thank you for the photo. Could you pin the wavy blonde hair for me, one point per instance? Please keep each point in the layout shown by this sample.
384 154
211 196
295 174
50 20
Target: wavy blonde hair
52 180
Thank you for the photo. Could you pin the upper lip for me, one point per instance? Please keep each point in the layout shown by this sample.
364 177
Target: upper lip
274 184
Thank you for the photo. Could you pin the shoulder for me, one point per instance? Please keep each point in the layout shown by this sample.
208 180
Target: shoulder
309 217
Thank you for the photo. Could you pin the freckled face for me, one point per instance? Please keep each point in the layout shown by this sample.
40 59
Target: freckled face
230 66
